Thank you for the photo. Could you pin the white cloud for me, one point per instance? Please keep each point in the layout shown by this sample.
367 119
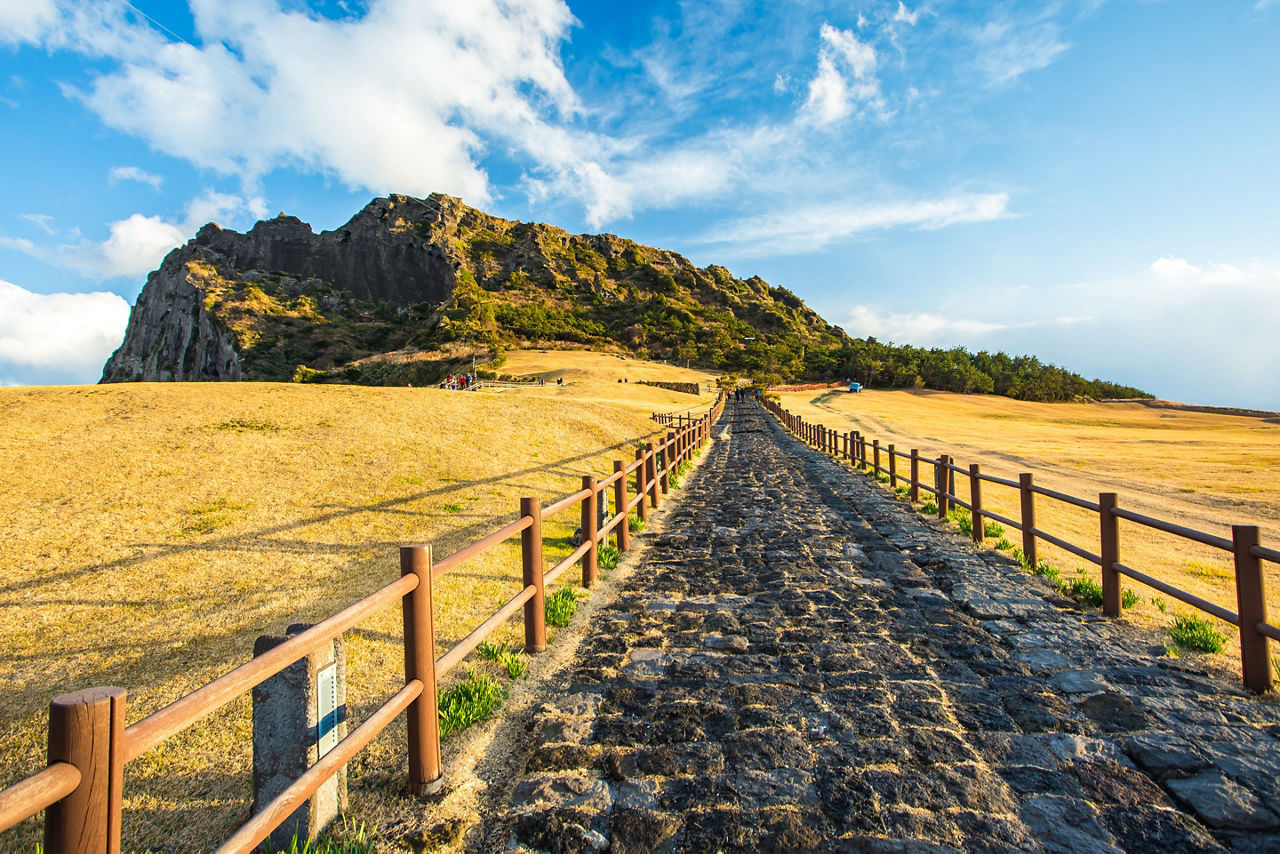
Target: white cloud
406 98
137 244
918 329
1007 50
68 334
1179 271
25 20
845 79
812 227
906 17
133 173
42 221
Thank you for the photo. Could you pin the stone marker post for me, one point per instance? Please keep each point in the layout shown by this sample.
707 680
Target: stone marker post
299 715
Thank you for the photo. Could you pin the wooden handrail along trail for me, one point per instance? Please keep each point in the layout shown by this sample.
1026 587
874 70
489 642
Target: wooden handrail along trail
81 788
1247 554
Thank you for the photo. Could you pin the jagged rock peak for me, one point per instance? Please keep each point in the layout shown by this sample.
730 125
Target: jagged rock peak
382 254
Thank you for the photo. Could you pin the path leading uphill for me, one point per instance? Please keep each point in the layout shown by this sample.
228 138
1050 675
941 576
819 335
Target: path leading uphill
800 663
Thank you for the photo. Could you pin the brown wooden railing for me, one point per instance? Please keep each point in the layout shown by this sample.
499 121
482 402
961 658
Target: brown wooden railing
81 789
1247 554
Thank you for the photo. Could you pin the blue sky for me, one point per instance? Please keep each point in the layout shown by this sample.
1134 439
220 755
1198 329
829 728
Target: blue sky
1096 182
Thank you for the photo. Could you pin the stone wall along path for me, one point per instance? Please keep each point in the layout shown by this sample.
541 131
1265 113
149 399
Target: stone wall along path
801 663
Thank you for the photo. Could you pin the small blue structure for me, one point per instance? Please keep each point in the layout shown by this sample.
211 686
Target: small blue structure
855 386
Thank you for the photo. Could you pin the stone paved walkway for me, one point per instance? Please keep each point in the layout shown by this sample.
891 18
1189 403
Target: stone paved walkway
801 664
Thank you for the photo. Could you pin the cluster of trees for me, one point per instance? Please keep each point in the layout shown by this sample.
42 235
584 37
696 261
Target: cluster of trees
881 365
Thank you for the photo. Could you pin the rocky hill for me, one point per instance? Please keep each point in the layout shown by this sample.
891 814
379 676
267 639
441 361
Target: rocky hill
411 288
410 275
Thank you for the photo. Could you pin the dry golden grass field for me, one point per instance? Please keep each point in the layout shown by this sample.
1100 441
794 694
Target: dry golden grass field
152 531
1205 471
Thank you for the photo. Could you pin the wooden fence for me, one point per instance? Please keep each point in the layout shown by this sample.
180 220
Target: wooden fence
1247 554
81 789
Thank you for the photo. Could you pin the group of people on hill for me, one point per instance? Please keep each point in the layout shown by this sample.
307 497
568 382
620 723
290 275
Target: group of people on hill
458 382
746 393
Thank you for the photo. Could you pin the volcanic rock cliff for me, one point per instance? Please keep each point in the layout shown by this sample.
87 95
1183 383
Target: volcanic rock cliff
409 275
176 333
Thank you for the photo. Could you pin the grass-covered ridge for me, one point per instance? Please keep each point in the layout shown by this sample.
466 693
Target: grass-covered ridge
517 284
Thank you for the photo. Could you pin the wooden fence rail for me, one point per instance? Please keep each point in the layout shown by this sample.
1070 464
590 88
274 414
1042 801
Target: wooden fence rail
81 789
1247 553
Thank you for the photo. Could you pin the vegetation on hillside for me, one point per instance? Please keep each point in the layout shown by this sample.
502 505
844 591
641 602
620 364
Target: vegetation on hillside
529 284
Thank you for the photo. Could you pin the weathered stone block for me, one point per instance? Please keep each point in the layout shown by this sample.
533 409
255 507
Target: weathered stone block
289 733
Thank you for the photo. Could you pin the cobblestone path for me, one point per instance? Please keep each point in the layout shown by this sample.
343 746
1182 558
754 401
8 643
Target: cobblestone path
802 664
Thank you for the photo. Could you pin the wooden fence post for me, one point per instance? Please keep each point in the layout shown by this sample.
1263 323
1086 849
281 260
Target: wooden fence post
951 482
875 452
1025 484
1109 536
535 613
846 447
642 488
621 532
1251 602
915 475
975 503
893 468
425 774
651 476
590 530
668 462
86 730
940 483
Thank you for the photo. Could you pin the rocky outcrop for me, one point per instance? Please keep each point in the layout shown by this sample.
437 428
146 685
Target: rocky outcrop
171 337
380 255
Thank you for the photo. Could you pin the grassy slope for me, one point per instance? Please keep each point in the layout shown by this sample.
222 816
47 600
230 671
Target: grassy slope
153 531
1200 470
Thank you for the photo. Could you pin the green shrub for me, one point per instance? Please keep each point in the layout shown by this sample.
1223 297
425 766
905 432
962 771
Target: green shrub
490 650
882 477
303 374
561 606
607 556
1044 569
1004 545
354 841
516 664
1193 632
513 662
1086 590
634 523
929 508
452 507
903 491
1159 603
1128 599
992 529
472 700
